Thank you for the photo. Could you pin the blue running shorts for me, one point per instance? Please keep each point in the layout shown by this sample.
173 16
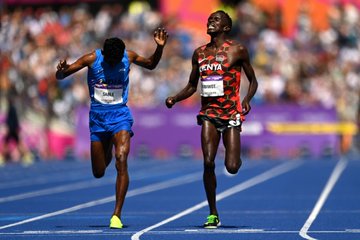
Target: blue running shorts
105 122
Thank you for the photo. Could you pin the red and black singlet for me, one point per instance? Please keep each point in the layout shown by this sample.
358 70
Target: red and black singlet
220 84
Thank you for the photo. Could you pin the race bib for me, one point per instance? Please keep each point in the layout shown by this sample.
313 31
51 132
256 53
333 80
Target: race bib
212 86
108 94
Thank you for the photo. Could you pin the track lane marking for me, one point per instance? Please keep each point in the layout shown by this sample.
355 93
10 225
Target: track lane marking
278 170
85 232
73 174
142 190
84 184
334 177
59 189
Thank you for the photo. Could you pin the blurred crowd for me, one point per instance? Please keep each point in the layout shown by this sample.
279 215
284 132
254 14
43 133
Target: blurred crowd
308 68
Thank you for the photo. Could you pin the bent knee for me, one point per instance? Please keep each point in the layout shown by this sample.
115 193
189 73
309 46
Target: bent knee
98 174
233 167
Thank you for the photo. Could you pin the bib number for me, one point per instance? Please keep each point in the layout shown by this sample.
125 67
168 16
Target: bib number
212 86
108 94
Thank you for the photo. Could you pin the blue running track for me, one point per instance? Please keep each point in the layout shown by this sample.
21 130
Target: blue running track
295 199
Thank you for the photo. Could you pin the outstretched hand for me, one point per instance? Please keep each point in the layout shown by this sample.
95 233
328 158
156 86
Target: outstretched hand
160 36
61 67
170 101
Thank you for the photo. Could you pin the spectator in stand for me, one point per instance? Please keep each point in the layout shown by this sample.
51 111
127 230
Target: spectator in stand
33 38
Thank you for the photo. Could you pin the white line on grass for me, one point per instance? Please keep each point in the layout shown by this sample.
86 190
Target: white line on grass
283 168
335 175
142 190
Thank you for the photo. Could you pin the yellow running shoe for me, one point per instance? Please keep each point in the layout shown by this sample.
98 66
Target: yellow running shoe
115 222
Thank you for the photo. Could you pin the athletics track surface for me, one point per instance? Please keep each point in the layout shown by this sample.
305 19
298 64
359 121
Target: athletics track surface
295 199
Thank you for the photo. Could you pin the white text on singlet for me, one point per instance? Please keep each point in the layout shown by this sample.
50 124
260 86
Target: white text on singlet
212 86
108 94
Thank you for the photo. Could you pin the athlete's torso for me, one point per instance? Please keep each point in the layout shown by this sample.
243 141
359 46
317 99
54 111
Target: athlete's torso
220 83
108 85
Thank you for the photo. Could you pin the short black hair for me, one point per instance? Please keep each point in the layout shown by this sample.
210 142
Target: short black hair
227 18
113 48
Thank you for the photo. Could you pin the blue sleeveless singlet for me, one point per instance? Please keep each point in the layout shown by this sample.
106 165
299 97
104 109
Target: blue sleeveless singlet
108 89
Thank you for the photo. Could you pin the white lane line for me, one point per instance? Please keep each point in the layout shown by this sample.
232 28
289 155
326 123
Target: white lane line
60 232
249 231
335 175
254 231
352 230
43 232
221 231
142 190
59 189
56 175
174 232
74 175
82 185
11 184
283 168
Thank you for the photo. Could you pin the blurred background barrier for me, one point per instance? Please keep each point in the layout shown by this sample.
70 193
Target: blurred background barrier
306 56
270 131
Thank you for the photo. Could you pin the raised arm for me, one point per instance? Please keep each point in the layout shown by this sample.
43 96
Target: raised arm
160 37
190 88
250 74
64 69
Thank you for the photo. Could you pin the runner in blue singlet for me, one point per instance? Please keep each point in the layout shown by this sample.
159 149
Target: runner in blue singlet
110 120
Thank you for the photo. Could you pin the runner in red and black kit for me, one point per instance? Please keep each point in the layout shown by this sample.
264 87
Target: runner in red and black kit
218 66
220 85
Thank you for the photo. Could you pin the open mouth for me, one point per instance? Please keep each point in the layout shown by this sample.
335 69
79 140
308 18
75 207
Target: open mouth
211 27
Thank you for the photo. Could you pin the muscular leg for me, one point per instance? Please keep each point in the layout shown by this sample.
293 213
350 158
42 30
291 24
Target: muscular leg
122 147
231 139
100 156
210 139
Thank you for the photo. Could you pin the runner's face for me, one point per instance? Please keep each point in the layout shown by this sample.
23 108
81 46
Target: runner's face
215 23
